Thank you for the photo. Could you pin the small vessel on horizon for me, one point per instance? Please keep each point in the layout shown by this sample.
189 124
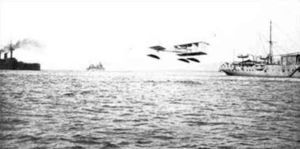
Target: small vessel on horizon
288 65
96 67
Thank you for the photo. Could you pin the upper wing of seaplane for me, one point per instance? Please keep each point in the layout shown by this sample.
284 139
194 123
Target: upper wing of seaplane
185 52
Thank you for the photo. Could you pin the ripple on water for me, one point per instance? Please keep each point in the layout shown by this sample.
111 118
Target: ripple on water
112 110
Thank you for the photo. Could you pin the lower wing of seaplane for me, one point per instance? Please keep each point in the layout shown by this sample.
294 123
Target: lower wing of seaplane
185 52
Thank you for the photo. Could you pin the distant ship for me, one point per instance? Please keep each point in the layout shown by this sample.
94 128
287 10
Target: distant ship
287 66
12 63
96 67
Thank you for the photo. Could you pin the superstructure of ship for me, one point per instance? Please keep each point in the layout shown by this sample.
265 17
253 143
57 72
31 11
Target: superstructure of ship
11 63
287 65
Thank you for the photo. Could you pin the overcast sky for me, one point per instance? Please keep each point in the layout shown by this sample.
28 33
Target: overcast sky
76 33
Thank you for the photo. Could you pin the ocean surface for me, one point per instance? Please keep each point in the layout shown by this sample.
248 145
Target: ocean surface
156 110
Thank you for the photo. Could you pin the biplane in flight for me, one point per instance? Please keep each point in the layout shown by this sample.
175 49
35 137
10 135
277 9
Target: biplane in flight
185 52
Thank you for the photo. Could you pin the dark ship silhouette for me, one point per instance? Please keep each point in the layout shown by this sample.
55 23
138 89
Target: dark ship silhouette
11 63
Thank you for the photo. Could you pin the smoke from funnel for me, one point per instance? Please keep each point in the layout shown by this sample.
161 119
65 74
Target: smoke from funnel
25 43
21 44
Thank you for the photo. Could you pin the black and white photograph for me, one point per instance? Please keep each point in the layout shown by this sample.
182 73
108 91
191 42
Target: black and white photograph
149 74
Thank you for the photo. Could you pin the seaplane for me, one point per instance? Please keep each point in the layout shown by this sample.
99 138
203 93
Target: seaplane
185 52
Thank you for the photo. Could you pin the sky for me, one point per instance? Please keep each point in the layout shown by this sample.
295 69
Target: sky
117 33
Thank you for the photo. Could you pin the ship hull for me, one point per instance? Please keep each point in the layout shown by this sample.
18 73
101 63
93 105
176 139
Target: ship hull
232 73
13 64
268 71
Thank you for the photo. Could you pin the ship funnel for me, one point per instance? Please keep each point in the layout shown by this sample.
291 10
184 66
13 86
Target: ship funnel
5 56
11 54
11 49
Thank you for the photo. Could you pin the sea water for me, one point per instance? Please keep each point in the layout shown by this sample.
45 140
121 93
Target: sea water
163 109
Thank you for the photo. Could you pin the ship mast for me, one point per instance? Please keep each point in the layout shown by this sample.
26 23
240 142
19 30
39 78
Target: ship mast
270 45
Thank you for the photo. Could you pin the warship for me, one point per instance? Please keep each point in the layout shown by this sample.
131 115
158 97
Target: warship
11 63
286 65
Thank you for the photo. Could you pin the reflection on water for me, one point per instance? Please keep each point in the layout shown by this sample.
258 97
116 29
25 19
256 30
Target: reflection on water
111 110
